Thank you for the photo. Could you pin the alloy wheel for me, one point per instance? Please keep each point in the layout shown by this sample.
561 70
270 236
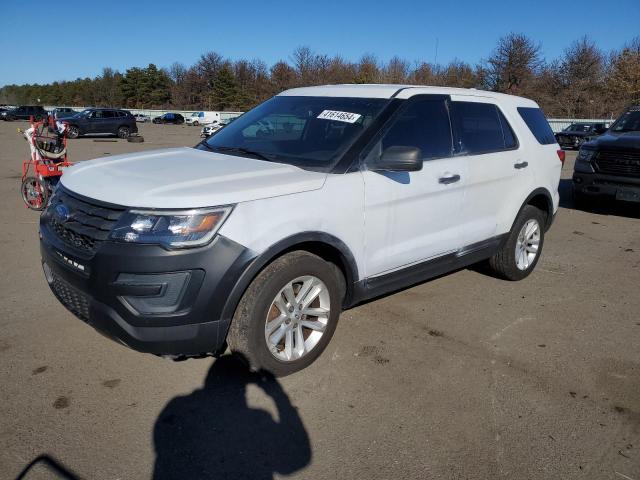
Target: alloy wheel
527 244
297 318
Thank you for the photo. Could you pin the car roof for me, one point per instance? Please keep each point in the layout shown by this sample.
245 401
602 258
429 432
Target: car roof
400 91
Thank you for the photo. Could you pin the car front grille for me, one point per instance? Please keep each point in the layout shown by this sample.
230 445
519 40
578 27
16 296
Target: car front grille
83 225
618 163
73 299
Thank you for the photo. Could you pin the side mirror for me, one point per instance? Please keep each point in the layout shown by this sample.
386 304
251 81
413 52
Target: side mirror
398 159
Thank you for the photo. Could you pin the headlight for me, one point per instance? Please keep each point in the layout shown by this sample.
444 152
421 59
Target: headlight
583 160
173 229
585 155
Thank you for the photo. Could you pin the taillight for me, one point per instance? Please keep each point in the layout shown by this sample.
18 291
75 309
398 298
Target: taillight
561 155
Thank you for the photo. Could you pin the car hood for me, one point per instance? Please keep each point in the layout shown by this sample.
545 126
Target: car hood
617 141
185 178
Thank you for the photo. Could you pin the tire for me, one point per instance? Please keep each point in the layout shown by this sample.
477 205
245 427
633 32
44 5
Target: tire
124 132
35 194
509 264
73 131
248 332
196 123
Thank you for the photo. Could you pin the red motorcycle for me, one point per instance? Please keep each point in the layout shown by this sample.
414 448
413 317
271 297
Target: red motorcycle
41 173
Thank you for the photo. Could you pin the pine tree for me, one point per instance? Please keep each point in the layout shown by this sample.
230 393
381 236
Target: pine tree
225 91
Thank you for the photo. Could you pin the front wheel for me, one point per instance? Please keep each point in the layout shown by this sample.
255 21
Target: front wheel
73 131
196 123
35 194
519 255
288 314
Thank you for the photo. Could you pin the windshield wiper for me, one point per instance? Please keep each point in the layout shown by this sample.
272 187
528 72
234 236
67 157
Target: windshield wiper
246 151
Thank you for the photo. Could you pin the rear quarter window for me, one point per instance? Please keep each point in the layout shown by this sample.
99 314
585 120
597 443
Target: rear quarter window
537 123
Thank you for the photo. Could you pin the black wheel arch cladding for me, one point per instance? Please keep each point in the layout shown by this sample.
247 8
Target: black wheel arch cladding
335 250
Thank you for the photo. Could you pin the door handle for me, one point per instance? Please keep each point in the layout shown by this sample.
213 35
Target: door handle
449 179
521 165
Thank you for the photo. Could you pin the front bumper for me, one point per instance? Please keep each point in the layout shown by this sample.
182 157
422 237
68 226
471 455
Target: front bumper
610 185
165 302
569 142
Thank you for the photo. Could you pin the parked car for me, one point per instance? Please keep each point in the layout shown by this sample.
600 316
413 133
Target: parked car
210 129
577 133
609 165
259 240
63 112
174 118
202 118
141 118
98 121
24 113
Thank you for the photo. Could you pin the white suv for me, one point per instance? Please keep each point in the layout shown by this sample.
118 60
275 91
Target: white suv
312 202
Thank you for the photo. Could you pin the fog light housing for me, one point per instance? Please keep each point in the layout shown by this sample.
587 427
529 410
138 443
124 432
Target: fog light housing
154 293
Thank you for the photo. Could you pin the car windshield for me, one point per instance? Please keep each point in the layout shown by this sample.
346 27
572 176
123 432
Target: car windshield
578 127
308 132
628 122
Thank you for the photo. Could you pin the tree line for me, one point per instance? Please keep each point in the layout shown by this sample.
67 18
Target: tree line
583 82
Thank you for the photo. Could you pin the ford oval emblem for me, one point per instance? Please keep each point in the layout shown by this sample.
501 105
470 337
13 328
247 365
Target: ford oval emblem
62 212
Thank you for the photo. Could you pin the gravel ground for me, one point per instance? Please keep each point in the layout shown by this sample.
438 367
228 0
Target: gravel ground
463 377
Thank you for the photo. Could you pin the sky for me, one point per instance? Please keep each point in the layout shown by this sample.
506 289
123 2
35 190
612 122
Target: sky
41 42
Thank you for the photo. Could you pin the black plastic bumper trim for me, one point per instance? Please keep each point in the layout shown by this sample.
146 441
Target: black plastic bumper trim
200 323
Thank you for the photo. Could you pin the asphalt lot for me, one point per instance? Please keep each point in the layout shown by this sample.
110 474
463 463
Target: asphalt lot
463 377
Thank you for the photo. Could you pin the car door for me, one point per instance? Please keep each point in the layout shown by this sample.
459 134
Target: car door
92 121
495 166
411 217
109 121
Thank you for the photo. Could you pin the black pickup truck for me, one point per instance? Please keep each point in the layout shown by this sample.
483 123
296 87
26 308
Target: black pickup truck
610 164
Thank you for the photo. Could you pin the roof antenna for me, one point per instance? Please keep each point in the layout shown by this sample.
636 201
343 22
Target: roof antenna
435 61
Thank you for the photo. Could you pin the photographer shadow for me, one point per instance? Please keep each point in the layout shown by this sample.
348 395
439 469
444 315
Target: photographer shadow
212 433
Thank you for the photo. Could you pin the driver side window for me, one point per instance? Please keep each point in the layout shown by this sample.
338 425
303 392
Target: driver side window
424 124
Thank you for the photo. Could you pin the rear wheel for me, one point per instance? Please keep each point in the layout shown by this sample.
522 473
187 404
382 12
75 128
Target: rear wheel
124 132
288 314
196 123
35 194
519 255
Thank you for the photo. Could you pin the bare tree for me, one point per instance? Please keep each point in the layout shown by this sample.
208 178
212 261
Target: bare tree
283 76
368 70
423 74
513 65
177 72
304 63
623 81
582 76
396 71
460 74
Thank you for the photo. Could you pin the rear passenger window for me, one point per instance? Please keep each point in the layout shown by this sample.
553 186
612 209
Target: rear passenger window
424 124
480 128
537 123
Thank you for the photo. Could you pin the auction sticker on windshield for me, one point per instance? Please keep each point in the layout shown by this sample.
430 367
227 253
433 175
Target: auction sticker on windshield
339 116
